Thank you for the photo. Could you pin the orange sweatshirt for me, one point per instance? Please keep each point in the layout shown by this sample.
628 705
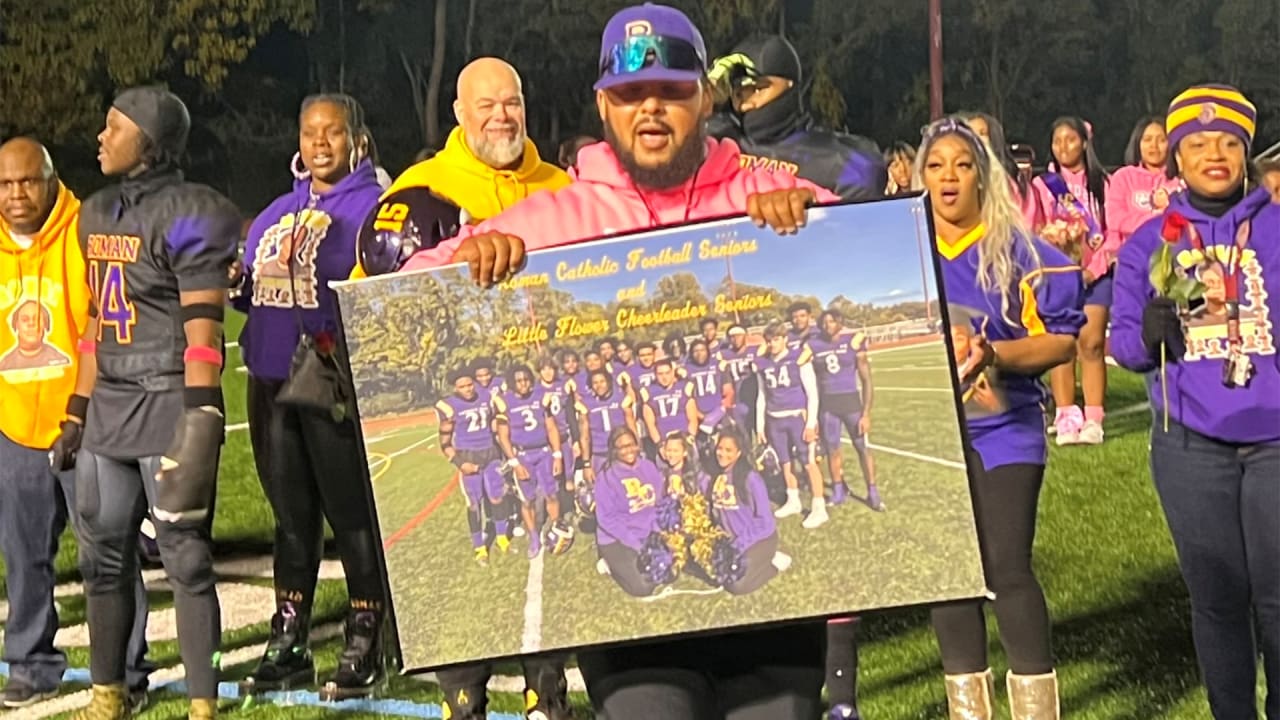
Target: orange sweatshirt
44 308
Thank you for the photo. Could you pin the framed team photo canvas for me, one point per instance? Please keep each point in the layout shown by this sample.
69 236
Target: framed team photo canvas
665 433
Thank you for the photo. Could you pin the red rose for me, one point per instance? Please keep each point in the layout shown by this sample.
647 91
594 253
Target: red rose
324 342
1174 225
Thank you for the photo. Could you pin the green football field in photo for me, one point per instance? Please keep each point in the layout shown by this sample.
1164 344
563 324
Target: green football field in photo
1121 624
923 548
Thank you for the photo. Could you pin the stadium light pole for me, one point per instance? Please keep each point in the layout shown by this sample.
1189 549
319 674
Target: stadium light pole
935 59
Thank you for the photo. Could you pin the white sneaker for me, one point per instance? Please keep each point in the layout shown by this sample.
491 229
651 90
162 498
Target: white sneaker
781 561
791 507
517 531
1068 432
817 517
1091 433
602 567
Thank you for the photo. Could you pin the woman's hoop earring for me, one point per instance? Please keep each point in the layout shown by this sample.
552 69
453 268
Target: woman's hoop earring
295 164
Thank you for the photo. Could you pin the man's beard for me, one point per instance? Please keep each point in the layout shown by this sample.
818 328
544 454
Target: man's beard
497 154
684 163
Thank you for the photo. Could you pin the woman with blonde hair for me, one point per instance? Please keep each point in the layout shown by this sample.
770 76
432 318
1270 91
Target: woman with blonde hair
1021 303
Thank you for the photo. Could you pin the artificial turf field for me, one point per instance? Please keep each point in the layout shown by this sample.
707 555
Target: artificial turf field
1103 553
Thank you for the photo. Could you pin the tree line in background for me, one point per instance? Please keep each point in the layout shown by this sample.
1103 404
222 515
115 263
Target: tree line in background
244 66
407 334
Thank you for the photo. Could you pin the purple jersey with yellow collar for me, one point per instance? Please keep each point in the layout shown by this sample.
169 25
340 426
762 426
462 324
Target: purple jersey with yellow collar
796 338
708 384
738 364
668 405
557 395
526 418
471 420
835 361
780 380
1003 409
603 415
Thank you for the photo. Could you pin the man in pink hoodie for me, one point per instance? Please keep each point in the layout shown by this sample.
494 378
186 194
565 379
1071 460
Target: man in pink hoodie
658 167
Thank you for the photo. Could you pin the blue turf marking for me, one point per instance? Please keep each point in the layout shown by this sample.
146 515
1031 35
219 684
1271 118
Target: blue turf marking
294 698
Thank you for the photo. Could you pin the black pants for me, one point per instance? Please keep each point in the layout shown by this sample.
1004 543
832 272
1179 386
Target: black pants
1004 504
310 469
112 496
622 562
758 560
1221 501
773 674
466 698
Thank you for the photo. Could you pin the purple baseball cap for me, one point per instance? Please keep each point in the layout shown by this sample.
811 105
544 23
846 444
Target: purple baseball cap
662 23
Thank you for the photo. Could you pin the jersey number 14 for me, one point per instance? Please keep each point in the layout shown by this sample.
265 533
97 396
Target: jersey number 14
110 293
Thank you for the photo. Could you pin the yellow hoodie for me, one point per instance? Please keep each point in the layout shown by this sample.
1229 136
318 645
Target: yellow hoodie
471 184
44 308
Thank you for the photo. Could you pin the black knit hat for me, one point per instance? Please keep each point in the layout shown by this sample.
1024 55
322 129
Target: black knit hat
772 55
159 114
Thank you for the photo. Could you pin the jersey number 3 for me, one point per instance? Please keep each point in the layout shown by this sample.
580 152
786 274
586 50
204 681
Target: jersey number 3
110 293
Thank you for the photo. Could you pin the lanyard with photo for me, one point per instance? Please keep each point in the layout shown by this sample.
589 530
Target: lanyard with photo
1238 369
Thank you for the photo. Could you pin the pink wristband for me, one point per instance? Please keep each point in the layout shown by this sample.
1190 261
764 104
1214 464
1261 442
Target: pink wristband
86 347
201 353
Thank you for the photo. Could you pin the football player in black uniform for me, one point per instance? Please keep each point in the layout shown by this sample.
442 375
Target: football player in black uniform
158 250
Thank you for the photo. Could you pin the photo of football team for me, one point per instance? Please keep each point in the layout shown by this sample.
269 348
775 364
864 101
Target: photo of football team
693 430
627 447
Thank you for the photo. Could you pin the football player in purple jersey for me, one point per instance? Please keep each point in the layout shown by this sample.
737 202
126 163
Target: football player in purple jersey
571 368
466 439
601 410
592 360
559 392
737 361
638 375
845 394
674 347
712 386
482 371
531 441
623 357
710 330
802 328
607 348
668 404
787 415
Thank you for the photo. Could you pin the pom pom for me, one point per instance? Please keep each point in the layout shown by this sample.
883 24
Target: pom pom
726 564
656 561
669 515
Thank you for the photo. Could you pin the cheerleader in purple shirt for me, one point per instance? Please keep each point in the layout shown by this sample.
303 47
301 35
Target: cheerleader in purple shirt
740 505
628 491
1016 304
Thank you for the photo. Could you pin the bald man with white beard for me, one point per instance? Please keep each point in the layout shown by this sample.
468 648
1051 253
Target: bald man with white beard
487 165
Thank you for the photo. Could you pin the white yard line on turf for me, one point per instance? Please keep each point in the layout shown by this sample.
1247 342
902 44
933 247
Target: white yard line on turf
233 344
390 456
910 368
912 389
531 639
912 455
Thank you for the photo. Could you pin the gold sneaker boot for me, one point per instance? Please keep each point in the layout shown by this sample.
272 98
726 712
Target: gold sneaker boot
108 702
1033 697
202 709
970 696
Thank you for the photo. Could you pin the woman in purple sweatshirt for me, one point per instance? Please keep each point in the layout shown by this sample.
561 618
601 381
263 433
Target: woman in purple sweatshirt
309 463
628 490
740 505
1014 304
1216 464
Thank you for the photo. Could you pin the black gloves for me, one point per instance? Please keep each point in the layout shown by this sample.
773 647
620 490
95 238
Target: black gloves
188 470
62 455
1161 325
